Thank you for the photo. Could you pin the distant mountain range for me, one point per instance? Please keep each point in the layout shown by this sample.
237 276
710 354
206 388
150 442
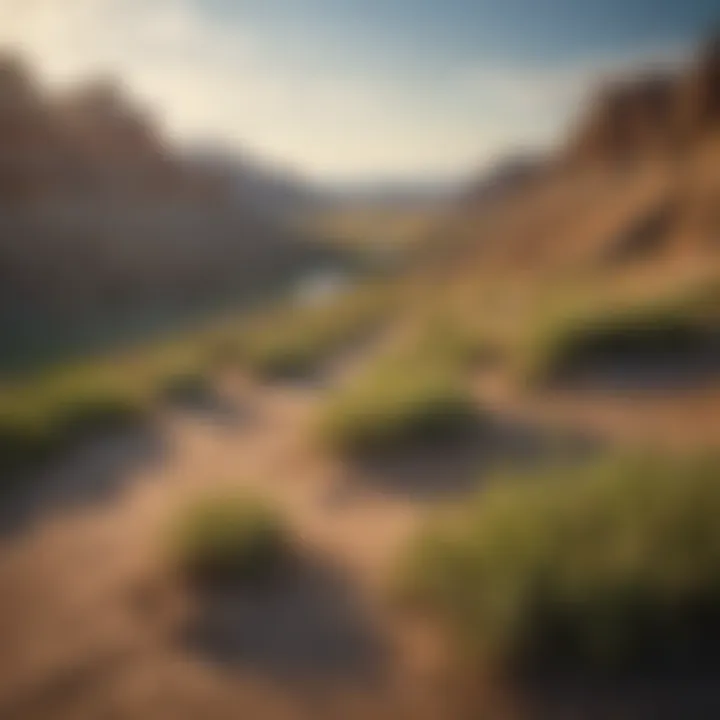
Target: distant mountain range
391 192
278 189
271 188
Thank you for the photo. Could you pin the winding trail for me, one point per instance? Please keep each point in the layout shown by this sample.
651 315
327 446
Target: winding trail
93 626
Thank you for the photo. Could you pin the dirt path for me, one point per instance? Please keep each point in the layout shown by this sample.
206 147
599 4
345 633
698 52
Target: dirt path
684 418
91 628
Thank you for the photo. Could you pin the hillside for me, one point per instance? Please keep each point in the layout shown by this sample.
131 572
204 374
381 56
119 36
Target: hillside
637 182
106 224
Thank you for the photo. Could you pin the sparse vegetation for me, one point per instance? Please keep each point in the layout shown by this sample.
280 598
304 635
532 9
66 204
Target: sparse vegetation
188 386
44 411
40 412
666 327
220 538
38 416
452 341
399 401
607 566
294 341
25 437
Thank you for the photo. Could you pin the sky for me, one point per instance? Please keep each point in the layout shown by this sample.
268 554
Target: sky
357 89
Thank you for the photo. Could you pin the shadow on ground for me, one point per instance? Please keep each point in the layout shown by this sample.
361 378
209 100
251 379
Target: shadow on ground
95 470
98 467
670 697
668 370
454 467
214 407
308 624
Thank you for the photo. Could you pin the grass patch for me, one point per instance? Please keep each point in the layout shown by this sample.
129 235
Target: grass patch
398 402
38 417
451 341
25 437
236 539
189 386
294 341
664 328
43 412
610 566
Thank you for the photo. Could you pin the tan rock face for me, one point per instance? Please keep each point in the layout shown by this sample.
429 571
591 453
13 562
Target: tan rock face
657 113
700 94
27 137
94 141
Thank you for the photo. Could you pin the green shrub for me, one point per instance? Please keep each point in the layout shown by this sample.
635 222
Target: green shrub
611 565
221 539
95 407
25 437
41 412
397 403
186 386
645 330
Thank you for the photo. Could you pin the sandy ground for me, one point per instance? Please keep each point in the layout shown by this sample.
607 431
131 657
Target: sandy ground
92 625
620 412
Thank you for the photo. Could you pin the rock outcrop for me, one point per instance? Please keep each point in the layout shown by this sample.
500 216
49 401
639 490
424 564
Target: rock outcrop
656 113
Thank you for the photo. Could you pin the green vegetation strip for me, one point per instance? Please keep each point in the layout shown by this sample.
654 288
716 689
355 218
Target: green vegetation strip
683 323
613 565
43 412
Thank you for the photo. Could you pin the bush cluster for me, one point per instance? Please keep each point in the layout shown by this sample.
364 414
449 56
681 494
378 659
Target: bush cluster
612 565
397 403
229 539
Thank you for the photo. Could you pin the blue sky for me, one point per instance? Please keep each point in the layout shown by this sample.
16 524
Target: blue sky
457 30
356 89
